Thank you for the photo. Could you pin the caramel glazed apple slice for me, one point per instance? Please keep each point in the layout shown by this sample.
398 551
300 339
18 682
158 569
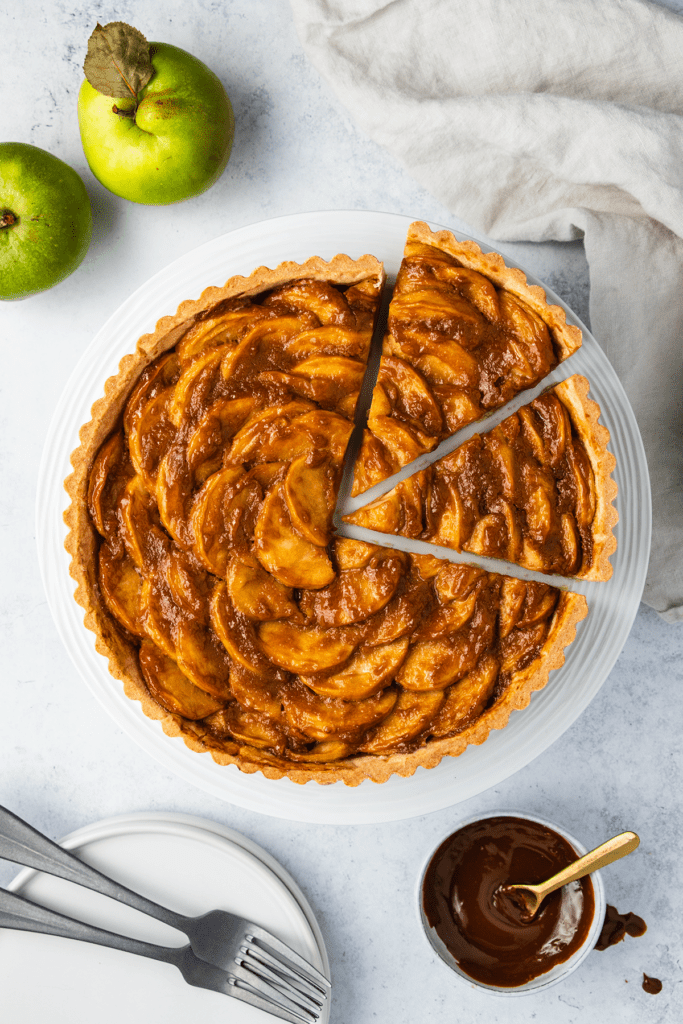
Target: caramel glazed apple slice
536 490
466 334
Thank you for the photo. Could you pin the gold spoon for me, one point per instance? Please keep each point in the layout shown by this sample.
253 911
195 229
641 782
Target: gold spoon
530 897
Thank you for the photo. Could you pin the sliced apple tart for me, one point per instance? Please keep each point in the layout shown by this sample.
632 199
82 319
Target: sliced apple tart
536 490
203 495
466 333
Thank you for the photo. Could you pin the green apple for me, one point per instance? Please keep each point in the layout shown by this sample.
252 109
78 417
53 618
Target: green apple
169 141
45 220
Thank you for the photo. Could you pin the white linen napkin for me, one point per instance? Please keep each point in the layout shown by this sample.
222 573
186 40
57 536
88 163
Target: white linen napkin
538 120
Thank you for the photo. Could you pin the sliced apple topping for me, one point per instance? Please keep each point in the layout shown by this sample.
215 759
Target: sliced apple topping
302 649
397 511
254 729
410 397
158 614
254 692
150 436
323 718
255 593
237 634
174 493
329 341
121 587
318 297
292 559
144 540
171 688
268 436
467 699
194 387
226 328
356 594
264 346
323 753
211 532
109 476
401 616
220 422
369 671
310 489
521 646
409 717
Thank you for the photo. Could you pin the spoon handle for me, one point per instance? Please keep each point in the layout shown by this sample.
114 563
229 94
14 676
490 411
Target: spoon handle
602 855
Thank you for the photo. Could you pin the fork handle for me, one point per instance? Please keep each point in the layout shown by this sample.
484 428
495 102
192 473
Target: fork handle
22 915
23 844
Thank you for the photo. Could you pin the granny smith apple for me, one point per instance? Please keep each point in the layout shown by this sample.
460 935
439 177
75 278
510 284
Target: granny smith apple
165 143
45 220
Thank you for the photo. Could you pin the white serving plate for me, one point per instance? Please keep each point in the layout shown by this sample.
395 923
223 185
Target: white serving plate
600 638
189 864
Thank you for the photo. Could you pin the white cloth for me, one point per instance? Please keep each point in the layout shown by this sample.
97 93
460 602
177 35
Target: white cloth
547 119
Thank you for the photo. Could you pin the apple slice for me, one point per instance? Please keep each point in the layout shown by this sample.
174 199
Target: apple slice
255 729
356 594
171 688
189 585
109 476
202 658
225 329
121 587
310 491
144 540
329 341
324 718
402 615
150 436
268 435
157 613
466 699
220 422
237 634
414 400
448 618
264 345
519 644
254 692
209 529
305 649
323 752
318 297
174 491
410 716
255 593
194 385
369 671
289 557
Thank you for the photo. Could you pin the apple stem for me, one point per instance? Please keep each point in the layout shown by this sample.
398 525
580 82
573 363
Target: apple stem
7 219
124 113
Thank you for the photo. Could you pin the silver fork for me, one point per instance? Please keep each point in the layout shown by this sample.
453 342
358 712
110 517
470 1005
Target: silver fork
21 914
219 938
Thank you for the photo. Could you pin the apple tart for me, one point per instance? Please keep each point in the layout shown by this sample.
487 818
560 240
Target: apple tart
201 538
466 333
536 490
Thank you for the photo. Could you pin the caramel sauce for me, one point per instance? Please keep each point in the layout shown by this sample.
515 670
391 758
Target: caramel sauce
617 926
486 932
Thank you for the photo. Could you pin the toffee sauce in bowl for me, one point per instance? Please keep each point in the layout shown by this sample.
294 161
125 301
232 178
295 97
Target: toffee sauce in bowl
484 931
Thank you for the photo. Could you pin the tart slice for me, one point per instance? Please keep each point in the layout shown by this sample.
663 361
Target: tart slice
536 490
466 334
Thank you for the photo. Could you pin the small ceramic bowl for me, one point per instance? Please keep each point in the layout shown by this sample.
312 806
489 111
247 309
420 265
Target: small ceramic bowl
557 973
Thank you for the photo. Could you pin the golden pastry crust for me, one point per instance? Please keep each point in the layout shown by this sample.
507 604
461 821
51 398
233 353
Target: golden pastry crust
466 333
536 491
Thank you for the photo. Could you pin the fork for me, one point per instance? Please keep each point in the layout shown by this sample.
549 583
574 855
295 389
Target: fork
21 914
219 938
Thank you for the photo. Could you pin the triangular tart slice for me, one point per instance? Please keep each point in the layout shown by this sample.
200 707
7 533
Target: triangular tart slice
466 333
536 490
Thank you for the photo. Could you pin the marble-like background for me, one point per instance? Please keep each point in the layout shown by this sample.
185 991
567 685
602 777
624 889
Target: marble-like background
63 763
